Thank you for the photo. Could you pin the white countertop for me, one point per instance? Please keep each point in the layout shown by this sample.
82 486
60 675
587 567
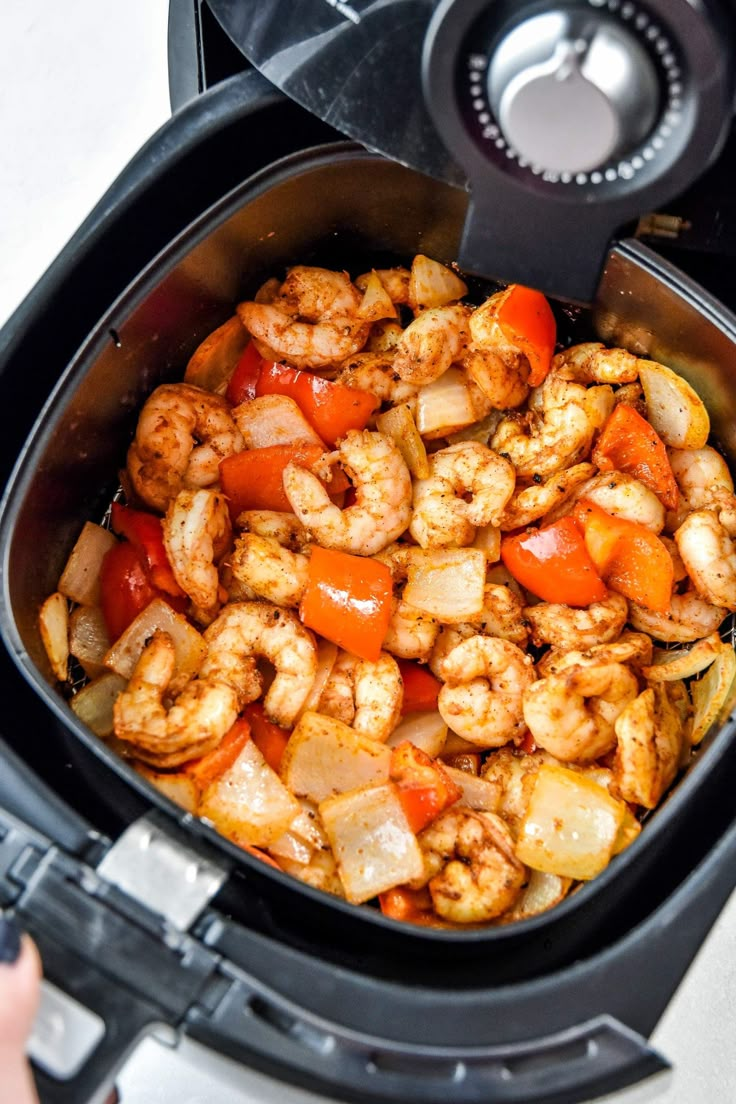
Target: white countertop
85 84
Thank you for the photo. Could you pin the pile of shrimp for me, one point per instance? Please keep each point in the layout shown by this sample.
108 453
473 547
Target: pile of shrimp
525 682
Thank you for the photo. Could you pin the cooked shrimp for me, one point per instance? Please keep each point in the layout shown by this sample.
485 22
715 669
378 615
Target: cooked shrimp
650 732
700 472
366 695
709 554
375 372
269 570
555 434
484 681
618 494
689 618
633 648
245 631
182 435
321 871
594 363
529 503
197 534
277 524
411 633
579 629
498 366
572 714
312 323
442 516
502 616
382 508
196 722
470 867
431 343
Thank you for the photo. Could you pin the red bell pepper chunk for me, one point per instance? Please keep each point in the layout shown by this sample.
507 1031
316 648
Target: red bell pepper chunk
145 533
331 408
554 564
348 600
421 688
254 479
425 789
207 768
527 320
413 906
269 738
126 590
631 559
244 380
630 444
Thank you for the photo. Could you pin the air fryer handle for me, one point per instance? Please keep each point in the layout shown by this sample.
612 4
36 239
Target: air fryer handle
599 1056
85 1028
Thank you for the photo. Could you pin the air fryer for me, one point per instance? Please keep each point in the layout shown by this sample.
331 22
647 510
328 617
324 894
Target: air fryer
252 963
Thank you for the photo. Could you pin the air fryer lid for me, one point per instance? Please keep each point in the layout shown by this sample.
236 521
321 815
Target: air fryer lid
566 123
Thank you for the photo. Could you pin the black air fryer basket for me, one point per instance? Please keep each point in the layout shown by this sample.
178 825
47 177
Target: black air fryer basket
142 912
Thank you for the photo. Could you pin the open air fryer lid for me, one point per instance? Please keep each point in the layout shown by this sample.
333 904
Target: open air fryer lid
566 121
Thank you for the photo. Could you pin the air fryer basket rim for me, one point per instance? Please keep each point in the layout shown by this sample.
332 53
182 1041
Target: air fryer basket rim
52 411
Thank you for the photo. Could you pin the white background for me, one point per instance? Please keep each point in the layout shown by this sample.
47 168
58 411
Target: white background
84 85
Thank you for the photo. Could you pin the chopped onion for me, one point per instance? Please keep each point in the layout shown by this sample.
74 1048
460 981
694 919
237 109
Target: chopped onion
481 430
249 803
571 825
178 786
376 302
432 284
273 420
325 757
88 639
426 731
627 833
326 656
673 408
713 693
669 665
213 361
372 842
80 579
542 893
94 703
447 583
479 793
53 621
398 424
488 539
189 646
445 406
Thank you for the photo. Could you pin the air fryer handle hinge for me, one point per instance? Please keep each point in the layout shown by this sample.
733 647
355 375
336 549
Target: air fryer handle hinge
113 967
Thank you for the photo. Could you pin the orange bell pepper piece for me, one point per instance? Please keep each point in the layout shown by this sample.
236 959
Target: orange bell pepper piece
527 320
554 563
413 906
421 688
254 479
629 444
207 768
348 600
425 789
632 559
269 738
331 408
